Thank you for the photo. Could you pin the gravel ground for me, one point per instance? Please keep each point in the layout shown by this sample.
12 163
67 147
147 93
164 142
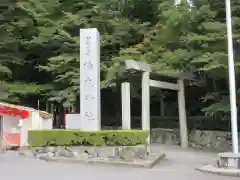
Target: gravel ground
179 165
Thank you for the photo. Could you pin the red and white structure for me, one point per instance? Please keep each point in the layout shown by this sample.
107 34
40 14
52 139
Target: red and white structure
15 121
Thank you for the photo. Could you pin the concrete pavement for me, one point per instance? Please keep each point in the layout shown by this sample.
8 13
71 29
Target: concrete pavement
179 165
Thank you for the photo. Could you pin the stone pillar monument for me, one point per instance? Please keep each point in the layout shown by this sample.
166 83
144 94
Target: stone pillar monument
90 109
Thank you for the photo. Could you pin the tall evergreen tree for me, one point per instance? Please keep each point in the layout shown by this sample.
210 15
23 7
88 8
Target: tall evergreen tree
116 32
15 31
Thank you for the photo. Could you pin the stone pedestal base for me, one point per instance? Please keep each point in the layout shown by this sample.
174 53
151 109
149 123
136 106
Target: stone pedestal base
135 156
229 160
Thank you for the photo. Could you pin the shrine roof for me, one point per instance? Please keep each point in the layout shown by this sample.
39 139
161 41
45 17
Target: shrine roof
42 114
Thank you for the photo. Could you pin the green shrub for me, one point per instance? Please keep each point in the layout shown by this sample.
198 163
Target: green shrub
62 137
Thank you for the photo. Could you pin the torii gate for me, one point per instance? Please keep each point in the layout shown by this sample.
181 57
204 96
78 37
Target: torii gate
146 84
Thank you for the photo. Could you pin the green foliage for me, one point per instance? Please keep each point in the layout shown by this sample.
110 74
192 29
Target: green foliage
16 27
58 24
194 42
39 46
59 137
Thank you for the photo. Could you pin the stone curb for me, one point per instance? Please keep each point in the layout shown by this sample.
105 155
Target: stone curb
103 162
219 171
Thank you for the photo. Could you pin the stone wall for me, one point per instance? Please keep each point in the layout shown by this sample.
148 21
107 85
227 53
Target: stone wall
213 140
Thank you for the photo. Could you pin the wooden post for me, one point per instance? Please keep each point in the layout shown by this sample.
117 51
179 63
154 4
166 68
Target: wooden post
162 107
126 106
52 108
146 104
47 107
182 115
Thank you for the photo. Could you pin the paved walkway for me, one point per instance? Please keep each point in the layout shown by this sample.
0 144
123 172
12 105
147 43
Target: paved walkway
178 166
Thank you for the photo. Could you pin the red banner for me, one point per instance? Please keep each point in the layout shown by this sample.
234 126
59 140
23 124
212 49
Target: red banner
5 110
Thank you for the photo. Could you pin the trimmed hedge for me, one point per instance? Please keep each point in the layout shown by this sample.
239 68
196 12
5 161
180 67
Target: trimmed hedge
62 137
